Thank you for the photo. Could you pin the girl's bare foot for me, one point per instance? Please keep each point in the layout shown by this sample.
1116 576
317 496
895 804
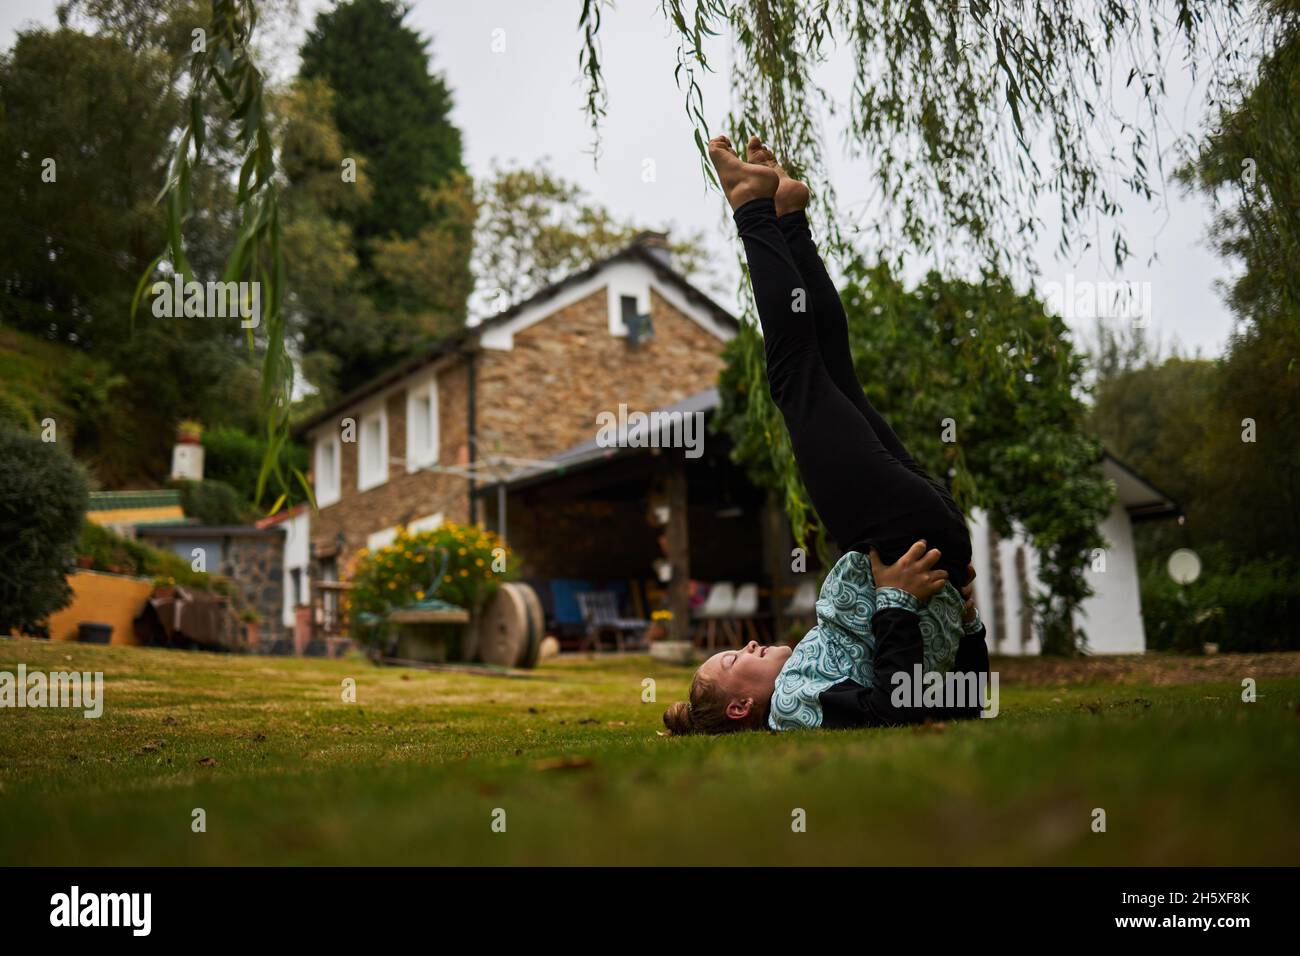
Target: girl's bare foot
791 195
741 181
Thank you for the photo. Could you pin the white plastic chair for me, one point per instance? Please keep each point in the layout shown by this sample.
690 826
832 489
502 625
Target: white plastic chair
803 603
718 607
746 603
745 612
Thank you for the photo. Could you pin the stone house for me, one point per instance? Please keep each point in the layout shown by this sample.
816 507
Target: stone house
414 446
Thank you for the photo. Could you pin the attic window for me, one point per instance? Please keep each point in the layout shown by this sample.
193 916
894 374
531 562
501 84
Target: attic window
639 328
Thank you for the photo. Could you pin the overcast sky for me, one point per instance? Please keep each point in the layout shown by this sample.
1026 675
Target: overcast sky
526 102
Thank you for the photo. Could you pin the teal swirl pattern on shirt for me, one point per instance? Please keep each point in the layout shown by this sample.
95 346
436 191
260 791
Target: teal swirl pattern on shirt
841 645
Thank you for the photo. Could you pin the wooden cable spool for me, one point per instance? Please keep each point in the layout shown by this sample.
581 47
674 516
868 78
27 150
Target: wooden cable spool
508 634
537 627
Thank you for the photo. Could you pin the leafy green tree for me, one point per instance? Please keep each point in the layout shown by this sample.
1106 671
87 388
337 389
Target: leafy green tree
1250 168
535 227
383 254
975 361
336 325
41 510
84 127
344 337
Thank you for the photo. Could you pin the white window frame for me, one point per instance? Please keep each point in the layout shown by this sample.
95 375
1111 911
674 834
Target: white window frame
366 479
427 523
327 493
634 284
381 539
417 457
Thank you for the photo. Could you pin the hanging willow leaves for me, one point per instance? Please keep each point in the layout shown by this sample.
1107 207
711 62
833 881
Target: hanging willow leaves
224 75
970 113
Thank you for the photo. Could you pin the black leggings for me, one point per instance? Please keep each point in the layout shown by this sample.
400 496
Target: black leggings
862 481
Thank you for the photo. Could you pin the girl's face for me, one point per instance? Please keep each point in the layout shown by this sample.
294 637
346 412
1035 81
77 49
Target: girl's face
746 678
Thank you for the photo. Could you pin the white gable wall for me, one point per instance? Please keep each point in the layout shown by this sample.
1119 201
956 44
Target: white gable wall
624 277
297 556
1111 618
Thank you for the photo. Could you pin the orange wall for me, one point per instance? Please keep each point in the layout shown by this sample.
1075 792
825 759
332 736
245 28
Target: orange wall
106 598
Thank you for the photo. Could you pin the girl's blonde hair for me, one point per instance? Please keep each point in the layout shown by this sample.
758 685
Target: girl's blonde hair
704 713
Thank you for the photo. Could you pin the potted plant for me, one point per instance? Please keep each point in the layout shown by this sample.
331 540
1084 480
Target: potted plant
252 627
189 432
659 622
459 564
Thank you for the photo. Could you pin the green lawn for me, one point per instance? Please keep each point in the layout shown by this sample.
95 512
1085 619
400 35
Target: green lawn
1186 772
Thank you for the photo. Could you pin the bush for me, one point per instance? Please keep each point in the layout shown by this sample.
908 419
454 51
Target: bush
403 572
1238 605
235 457
43 498
212 502
111 552
16 414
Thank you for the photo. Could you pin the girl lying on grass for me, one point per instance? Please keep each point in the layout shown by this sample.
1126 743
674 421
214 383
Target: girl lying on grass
889 606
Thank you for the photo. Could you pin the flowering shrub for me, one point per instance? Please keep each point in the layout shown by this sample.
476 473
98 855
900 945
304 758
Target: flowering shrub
404 571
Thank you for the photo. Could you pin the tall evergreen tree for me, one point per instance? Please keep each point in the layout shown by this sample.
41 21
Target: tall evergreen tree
389 108
409 236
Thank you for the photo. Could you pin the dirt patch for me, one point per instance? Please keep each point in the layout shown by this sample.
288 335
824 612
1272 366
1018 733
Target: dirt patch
1157 669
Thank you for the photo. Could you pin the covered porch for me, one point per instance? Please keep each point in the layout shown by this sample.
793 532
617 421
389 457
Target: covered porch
654 525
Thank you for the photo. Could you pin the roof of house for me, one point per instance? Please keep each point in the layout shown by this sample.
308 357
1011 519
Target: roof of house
108 508
285 514
1141 499
188 531
122 500
646 248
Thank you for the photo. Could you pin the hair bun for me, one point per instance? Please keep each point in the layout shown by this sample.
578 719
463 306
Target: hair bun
677 717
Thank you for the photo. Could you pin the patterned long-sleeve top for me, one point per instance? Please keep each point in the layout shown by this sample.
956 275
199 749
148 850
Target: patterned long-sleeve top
841 645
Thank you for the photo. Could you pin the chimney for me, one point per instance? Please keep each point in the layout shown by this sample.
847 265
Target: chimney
655 243
187 454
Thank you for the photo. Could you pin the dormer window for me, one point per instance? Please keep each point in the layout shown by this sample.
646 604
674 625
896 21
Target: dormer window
638 325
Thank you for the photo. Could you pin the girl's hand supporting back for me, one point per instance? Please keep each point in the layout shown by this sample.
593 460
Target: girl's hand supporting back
913 572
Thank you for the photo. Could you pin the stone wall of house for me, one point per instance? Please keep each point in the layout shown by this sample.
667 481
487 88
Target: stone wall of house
404 496
534 400
256 564
543 395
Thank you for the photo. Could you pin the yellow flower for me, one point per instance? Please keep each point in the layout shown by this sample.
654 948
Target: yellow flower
479 562
464 573
419 595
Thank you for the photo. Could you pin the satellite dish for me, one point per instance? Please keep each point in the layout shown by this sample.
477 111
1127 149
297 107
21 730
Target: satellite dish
1184 566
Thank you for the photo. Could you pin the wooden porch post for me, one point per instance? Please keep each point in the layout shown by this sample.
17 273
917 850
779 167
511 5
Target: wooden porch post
776 537
679 550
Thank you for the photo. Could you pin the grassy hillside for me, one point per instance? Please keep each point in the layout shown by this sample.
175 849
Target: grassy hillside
413 772
32 380
42 380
